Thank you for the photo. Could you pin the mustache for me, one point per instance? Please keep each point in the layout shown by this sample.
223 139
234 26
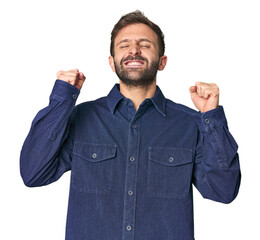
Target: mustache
133 58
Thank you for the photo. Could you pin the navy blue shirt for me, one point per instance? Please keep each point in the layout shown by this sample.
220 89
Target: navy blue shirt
131 171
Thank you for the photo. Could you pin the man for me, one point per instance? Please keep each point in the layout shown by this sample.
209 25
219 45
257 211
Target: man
134 154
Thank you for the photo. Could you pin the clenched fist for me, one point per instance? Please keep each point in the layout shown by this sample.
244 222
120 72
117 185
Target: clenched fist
74 77
205 96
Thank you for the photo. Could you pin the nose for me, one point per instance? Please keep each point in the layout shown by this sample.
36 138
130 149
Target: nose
134 49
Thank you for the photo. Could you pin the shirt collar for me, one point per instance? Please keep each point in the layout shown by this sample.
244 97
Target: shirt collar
115 96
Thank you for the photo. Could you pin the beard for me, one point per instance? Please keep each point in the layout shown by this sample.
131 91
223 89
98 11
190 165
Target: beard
134 77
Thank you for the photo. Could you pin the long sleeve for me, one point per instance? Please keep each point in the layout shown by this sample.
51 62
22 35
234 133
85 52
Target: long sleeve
45 155
217 172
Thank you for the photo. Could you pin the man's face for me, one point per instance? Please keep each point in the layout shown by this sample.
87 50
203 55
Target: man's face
136 59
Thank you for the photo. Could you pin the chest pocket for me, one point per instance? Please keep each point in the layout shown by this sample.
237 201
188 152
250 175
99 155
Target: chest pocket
93 167
169 172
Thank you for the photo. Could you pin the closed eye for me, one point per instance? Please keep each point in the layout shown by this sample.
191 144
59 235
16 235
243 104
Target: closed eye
124 46
145 46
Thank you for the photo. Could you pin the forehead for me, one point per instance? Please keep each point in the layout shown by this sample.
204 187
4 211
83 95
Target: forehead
135 32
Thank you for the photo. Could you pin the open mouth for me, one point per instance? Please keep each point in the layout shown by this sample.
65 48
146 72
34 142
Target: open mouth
134 63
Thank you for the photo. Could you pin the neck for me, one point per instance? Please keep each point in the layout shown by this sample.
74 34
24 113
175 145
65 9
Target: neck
137 94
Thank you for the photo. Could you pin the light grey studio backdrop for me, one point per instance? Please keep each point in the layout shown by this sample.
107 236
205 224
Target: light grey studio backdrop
212 41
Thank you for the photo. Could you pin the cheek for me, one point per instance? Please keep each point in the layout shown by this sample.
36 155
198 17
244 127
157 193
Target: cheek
117 62
118 57
150 55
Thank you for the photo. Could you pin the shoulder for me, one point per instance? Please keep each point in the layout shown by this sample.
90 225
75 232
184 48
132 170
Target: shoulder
183 115
90 107
93 103
180 108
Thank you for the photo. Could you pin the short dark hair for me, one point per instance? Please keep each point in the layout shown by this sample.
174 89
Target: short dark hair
137 17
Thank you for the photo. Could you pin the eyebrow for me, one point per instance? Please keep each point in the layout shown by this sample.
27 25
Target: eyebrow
139 40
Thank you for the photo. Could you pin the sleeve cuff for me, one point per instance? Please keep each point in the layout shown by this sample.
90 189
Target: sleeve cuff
64 90
216 117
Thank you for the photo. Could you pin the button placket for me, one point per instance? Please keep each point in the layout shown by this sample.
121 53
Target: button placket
131 181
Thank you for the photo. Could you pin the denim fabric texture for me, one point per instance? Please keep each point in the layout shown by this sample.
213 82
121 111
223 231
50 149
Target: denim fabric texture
131 171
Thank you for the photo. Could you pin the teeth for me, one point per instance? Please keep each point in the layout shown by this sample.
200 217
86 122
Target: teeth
134 64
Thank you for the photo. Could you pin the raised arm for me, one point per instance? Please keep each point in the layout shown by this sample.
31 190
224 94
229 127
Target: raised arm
216 172
45 154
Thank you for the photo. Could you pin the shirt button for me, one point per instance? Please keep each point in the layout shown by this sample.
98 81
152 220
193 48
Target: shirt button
134 126
74 96
94 155
128 228
130 193
207 120
171 159
132 159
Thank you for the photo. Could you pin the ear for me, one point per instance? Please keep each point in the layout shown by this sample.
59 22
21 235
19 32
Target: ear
162 63
111 63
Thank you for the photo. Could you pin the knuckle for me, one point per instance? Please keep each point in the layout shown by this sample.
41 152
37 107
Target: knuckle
74 70
215 86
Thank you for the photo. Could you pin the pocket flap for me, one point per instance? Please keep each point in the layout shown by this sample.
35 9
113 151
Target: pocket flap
170 156
94 152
